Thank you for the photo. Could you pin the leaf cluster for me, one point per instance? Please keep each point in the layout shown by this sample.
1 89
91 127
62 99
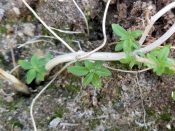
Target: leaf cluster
35 67
128 38
160 63
91 72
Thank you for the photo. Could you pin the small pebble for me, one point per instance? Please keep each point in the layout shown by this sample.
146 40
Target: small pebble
28 29
54 122
9 99
1 14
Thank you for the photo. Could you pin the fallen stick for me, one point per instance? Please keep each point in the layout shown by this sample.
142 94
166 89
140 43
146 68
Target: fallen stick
18 85
108 56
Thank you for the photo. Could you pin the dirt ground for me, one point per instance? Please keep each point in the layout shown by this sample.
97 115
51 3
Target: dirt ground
127 102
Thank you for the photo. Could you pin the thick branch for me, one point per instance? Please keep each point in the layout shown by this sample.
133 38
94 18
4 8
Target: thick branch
107 56
154 19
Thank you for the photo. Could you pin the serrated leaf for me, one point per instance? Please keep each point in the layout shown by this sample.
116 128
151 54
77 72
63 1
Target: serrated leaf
159 70
43 61
164 52
152 57
119 46
103 72
126 60
40 76
31 74
88 79
98 65
131 64
136 33
35 61
126 46
135 45
96 81
25 64
120 31
89 64
78 70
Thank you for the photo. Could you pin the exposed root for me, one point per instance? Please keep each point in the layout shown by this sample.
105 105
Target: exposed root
15 68
104 33
35 41
42 91
86 21
141 96
107 56
154 19
66 31
126 71
47 27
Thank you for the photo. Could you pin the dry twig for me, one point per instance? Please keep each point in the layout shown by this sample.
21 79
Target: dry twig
18 85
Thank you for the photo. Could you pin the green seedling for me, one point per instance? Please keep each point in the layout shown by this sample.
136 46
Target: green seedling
160 62
128 38
35 67
91 72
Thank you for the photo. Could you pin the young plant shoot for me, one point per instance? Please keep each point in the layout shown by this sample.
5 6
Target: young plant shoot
35 67
91 72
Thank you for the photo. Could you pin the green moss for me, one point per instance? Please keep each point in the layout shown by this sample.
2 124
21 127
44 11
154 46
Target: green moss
15 104
16 123
150 111
3 29
59 111
166 117
93 123
72 89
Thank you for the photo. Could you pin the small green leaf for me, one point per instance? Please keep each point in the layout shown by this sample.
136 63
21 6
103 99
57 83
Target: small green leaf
43 61
88 79
25 64
40 76
119 46
96 81
35 61
120 31
164 52
31 74
78 70
89 64
98 64
136 33
103 72
126 46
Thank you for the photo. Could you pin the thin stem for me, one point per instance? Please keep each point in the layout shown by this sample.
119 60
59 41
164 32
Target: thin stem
104 33
127 71
15 68
87 25
47 27
35 41
154 19
66 31
108 56
42 91
141 96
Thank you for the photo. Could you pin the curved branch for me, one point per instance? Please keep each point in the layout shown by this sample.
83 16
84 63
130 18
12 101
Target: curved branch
87 25
104 33
47 27
107 56
154 19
